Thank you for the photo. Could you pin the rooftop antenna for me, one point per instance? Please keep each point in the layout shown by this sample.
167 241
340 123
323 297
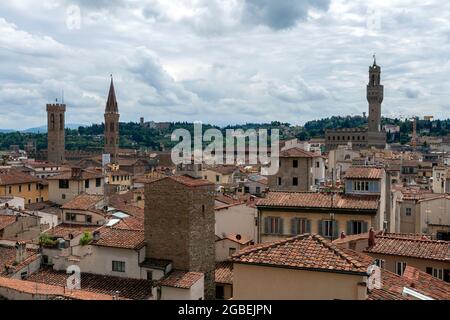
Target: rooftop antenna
374 59
62 96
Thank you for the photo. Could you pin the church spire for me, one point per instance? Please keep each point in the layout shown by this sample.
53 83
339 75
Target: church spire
111 104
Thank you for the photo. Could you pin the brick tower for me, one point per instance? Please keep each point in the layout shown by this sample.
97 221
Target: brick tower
179 225
112 124
56 132
375 93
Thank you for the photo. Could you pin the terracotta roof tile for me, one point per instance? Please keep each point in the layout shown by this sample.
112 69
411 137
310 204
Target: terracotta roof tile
120 238
181 279
224 272
136 289
83 202
364 173
14 176
308 252
8 257
410 247
6 220
85 174
64 230
187 181
318 200
297 153
50 290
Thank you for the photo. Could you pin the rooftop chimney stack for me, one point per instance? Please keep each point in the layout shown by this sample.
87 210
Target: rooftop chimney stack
371 238
21 251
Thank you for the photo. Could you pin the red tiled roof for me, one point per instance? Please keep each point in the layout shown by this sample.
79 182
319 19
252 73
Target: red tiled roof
83 201
8 257
297 153
64 230
85 174
120 238
6 220
136 289
181 279
225 170
224 272
393 284
187 181
32 288
318 200
364 173
13 176
130 223
410 247
307 252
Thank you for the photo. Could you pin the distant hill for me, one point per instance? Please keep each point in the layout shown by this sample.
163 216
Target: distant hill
43 129
6 130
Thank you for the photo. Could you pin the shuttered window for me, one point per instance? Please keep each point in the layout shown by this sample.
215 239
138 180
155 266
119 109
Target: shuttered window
328 228
273 225
300 226
356 227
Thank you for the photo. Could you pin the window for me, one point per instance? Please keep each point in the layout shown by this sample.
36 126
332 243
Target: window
37 200
437 273
356 227
217 178
63 196
23 275
300 226
118 266
29 201
89 219
20 189
64 184
408 211
273 225
380 263
220 292
258 190
295 163
29 187
294 181
98 182
149 275
328 228
400 267
86 184
231 251
71 216
9 190
279 181
361 185
317 164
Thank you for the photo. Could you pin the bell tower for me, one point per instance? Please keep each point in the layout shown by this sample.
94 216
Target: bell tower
375 94
112 124
56 132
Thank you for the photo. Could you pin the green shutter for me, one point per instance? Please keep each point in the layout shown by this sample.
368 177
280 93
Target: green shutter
294 226
308 226
335 229
349 227
266 225
320 228
365 226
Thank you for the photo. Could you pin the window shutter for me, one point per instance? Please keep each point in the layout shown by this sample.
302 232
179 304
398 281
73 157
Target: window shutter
280 226
335 229
364 227
294 226
349 227
308 226
446 275
266 225
429 270
320 228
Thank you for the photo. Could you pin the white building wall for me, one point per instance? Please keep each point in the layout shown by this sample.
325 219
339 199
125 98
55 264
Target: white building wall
239 219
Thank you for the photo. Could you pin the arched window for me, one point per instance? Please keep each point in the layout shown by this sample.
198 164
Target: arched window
61 122
52 121
373 79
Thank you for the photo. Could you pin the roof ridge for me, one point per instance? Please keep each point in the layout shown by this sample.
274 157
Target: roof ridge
338 251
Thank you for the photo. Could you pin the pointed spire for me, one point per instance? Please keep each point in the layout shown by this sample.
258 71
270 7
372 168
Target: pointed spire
374 60
111 104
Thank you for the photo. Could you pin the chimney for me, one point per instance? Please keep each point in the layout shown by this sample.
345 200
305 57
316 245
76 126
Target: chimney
343 235
21 251
76 172
371 238
96 235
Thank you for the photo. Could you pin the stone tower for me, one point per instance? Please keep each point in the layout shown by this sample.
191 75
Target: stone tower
112 125
56 132
179 225
376 137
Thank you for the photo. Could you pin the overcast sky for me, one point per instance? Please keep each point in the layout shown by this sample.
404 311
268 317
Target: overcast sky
221 61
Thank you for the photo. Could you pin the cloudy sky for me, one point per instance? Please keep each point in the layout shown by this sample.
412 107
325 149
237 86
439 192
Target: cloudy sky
221 61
